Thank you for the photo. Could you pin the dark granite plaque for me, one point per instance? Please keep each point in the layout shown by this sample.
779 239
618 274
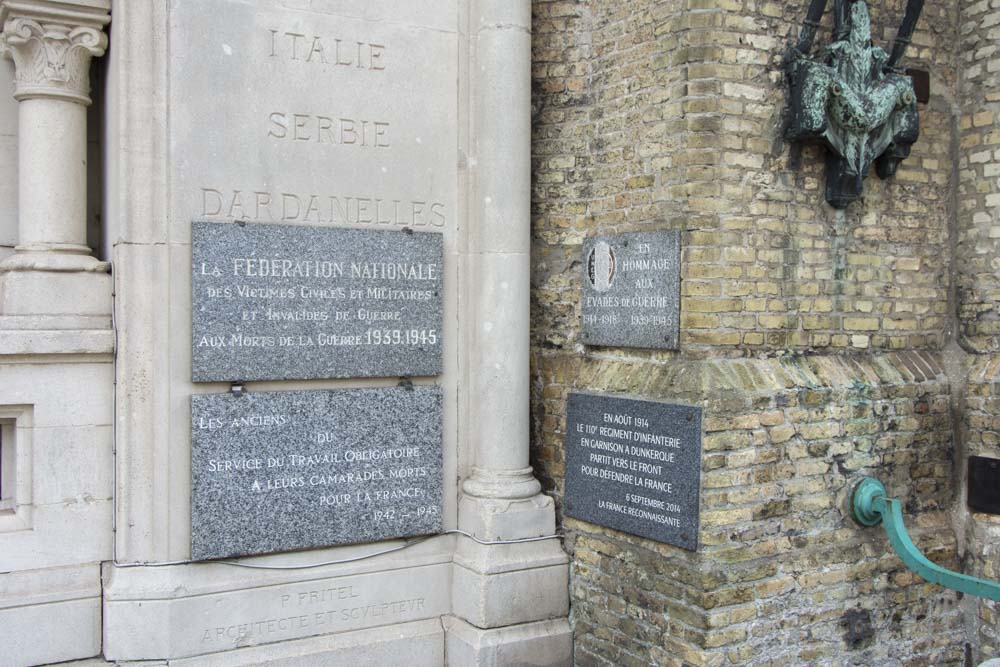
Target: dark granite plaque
276 471
634 466
631 290
281 302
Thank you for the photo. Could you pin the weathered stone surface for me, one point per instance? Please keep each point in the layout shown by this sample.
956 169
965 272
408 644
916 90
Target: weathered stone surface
276 471
325 113
631 290
288 302
634 466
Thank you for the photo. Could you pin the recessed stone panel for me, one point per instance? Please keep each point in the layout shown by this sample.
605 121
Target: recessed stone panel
299 302
631 290
277 471
634 466
314 112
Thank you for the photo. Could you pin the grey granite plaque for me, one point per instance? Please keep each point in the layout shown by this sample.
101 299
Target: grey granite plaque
276 471
634 466
631 290
280 302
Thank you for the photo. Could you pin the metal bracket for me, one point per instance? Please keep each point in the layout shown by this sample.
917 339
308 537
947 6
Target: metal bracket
870 505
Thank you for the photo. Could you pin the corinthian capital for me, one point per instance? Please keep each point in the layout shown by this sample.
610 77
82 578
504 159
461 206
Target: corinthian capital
51 47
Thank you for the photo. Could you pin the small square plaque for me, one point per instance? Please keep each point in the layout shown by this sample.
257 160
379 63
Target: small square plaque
634 466
277 471
284 302
984 484
631 290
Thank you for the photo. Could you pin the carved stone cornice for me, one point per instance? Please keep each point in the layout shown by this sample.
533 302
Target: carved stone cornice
51 49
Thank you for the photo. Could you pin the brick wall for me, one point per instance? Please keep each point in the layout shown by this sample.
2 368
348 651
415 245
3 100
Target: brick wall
812 338
978 268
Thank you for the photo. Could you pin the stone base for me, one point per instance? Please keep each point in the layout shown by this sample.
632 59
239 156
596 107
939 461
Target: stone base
498 585
387 610
541 644
50 615
502 519
55 296
193 610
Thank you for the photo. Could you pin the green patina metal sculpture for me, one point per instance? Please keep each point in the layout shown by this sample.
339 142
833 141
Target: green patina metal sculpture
870 506
852 99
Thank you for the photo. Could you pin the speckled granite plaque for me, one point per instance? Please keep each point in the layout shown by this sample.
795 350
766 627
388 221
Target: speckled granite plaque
634 466
631 290
282 302
277 471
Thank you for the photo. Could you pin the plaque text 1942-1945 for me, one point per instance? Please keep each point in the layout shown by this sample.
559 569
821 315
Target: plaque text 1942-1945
278 302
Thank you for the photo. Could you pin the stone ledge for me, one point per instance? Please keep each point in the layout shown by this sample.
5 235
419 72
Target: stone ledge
541 644
46 342
61 604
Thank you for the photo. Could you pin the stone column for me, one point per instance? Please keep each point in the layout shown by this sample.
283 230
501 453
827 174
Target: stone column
500 245
501 499
52 272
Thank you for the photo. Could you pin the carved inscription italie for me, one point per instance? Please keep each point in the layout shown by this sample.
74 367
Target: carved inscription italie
275 471
634 466
293 302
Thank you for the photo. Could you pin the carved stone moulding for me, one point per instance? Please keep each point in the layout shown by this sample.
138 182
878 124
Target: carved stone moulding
51 44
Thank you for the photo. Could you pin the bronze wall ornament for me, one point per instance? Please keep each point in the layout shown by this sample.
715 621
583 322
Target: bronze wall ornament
852 98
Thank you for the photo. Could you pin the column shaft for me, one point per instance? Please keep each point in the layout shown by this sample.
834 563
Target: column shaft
501 244
52 143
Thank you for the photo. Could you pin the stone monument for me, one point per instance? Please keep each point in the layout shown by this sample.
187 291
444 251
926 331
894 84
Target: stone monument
344 335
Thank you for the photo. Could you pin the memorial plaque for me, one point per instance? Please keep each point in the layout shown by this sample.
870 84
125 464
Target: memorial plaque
277 471
279 302
634 466
631 290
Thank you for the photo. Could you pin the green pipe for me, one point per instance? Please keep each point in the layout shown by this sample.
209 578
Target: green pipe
870 506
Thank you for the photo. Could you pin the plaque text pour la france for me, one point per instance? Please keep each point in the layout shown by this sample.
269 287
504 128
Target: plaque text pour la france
279 302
